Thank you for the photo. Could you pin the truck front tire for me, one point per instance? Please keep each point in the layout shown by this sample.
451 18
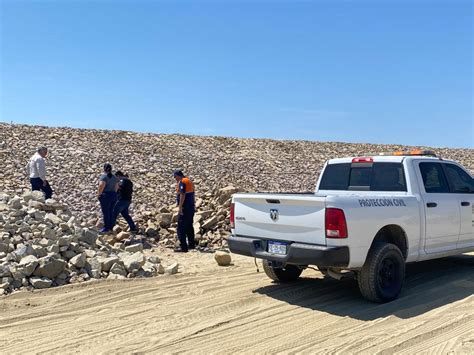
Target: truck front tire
288 273
381 278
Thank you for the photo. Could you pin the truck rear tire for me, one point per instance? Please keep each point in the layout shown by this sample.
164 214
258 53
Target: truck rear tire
288 273
381 278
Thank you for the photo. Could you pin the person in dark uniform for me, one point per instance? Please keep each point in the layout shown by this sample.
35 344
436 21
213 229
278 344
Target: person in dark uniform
125 191
185 202
107 195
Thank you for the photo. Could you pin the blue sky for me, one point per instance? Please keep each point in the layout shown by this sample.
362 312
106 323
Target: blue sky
355 71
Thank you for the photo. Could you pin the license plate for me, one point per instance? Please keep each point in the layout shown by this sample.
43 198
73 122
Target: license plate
277 248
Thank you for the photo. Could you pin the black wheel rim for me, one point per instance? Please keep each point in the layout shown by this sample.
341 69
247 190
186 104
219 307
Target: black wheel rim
389 275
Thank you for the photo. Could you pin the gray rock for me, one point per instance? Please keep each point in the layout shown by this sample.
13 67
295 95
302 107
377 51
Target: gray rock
36 205
65 240
51 217
4 247
108 262
24 251
134 248
88 236
28 265
151 232
33 196
90 253
95 265
115 277
154 259
45 242
5 271
15 203
164 210
50 267
79 261
118 269
54 249
161 269
150 268
133 262
40 282
49 233
69 254
172 269
165 219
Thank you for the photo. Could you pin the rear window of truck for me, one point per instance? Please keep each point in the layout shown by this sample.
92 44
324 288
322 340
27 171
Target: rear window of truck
364 177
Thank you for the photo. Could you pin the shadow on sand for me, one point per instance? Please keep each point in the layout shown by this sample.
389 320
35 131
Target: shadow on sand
428 285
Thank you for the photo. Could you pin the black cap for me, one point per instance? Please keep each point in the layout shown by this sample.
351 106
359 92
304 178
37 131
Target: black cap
178 173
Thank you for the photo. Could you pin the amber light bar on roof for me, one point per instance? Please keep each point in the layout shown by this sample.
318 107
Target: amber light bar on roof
428 153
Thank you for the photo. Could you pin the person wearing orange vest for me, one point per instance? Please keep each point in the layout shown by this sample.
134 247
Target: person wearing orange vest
185 202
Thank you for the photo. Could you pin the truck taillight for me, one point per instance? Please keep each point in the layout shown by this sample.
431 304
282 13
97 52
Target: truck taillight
336 226
232 215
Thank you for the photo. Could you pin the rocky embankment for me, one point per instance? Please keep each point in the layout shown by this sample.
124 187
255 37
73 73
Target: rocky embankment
218 166
42 245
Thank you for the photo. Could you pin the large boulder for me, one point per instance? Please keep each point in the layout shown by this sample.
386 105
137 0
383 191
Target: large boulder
15 203
40 282
88 236
133 262
108 262
37 196
23 251
222 258
118 269
96 267
50 267
79 261
172 269
28 265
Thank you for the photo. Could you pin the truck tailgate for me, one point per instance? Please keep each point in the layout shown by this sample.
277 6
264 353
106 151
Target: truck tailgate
297 218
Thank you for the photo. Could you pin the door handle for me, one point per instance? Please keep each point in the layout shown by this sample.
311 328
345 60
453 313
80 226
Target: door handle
465 203
431 204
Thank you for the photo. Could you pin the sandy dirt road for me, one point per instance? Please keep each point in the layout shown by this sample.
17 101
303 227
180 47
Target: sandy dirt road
207 309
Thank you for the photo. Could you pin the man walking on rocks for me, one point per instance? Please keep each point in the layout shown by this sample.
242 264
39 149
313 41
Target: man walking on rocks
125 190
107 195
185 202
37 171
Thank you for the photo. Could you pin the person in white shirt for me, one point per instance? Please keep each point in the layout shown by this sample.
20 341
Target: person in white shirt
37 171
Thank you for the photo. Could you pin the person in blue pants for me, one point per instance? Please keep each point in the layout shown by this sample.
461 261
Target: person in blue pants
107 195
125 191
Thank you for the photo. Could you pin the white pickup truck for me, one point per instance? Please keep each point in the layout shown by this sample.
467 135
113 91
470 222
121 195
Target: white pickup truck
368 217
